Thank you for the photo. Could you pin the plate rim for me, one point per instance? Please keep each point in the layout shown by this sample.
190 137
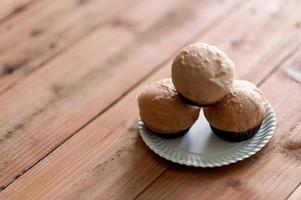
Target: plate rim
269 124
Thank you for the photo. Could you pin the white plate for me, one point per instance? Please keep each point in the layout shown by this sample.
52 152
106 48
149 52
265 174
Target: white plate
200 147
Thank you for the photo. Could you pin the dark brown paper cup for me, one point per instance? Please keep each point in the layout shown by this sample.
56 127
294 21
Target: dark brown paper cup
169 135
236 136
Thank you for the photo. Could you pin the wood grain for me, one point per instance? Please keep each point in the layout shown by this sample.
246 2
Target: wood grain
83 82
259 29
33 37
277 166
107 159
296 194
9 8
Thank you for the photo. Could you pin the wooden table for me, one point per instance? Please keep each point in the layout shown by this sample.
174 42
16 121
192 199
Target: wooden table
69 74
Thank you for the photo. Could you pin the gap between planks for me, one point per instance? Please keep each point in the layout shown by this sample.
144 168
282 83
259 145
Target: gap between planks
214 23
96 27
118 99
273 71
15 9
293 191
292 56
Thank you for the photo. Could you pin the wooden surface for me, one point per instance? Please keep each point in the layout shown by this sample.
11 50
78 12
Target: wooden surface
69 74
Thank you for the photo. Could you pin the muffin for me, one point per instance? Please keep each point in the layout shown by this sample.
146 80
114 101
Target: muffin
239 115
163 112
202 74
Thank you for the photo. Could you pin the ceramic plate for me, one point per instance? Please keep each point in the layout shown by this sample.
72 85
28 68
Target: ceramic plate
200 147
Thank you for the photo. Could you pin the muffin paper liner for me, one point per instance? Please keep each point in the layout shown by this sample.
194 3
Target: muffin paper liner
236 136
169 135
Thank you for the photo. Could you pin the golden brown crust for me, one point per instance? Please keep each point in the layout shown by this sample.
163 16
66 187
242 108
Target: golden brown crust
202 73
162 110
242 109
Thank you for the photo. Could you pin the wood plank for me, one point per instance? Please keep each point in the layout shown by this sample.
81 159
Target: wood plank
277 166
36 35
270 29
107 159
11 7
91 79
296 195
